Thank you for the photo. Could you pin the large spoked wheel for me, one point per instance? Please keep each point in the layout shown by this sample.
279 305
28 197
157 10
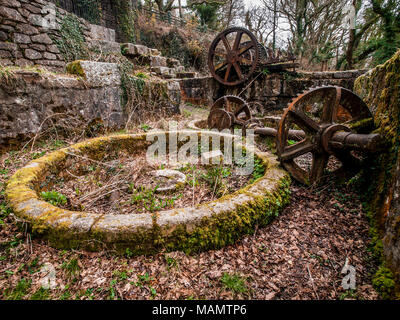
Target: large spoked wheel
320 113
234 55
228 111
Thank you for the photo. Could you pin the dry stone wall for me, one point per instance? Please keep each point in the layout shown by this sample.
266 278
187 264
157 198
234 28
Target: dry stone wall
27 28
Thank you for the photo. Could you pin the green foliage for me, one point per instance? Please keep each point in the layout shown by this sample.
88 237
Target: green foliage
90 10
130 84
71 42
258 171
349 294
145 127
207 13
214 177
71 267
126 19
171 262
19 291
40 294
148 199
234 282
54 197
383 282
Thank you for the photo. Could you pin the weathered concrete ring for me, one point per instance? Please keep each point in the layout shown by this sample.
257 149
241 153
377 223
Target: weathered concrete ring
206 226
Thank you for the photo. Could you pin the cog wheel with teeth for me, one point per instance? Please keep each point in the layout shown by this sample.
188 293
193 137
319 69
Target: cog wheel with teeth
228 111
320 113
234 55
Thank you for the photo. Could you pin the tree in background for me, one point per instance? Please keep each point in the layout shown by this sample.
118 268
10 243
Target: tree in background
207 13
231 13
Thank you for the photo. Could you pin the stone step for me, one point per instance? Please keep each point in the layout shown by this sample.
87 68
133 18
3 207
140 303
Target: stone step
135 50
102 33
183 75
164 72
104 46
158 61
167 73
96 74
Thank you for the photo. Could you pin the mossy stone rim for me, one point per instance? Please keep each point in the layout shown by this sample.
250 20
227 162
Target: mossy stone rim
208 225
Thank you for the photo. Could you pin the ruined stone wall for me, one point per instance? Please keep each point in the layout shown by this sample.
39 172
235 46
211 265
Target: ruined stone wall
273 91
32 101
380 89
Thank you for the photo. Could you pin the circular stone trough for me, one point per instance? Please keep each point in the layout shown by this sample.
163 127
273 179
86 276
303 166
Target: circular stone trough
206 226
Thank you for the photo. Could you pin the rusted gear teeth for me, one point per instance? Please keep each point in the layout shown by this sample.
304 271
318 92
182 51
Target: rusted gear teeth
233 104
232 55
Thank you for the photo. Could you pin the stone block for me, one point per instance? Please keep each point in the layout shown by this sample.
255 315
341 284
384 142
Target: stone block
158 61
32 54
42 38
183 75
101 33
11 14
135 50
10 3
96 74
21 38
104 46
3 36
27 29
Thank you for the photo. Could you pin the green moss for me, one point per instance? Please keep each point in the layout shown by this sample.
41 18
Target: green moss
383 282
75 68
380 89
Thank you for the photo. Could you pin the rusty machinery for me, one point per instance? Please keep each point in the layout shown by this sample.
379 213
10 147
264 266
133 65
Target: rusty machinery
235 55
318 124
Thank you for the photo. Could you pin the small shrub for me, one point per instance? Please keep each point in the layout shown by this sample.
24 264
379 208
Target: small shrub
54 197
234 283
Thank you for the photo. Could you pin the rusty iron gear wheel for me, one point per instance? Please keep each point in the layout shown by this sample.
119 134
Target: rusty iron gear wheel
230 62
234 106
319 112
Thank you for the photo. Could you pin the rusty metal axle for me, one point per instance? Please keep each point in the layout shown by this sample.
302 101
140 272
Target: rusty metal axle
372 142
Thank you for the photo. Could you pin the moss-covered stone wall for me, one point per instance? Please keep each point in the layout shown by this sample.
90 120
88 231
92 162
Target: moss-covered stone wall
380 89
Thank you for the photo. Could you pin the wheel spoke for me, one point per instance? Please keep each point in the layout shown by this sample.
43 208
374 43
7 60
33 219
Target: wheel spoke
296 150
318 165
237 40
221 65
303 121
245 49
226 43
228 71
238 71
331 106
239 110
227 104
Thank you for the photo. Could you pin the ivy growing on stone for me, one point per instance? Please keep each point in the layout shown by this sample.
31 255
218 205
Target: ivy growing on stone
71 43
